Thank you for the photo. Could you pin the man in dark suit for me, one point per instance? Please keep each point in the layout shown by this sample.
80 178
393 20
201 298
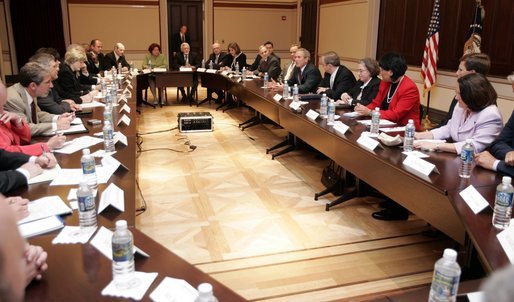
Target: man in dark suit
215 59
181 37
500 155
337 78
115 57
258 58
305 74
268 63
186 58
95 57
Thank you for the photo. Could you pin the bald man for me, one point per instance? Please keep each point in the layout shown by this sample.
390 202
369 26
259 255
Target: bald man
114 57
215 59
20 262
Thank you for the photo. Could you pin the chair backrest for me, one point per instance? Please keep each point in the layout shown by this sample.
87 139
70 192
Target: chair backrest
421 112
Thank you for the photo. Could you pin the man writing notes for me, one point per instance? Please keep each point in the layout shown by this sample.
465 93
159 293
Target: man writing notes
35 81
116 56
337 78
305 74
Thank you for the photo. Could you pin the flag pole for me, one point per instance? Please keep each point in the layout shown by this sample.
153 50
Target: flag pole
427 124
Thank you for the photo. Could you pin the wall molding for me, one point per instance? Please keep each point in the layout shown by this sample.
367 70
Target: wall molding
255 5
116 2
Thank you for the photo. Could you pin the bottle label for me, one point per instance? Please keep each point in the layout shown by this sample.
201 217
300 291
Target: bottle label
122 251
108 134
86 203
409 132
88 167
504 199
466 156
444 285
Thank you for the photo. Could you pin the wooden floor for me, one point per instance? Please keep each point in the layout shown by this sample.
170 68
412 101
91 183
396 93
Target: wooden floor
252 222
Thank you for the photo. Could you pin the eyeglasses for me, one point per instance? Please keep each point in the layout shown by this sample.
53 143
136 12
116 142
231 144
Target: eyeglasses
362 70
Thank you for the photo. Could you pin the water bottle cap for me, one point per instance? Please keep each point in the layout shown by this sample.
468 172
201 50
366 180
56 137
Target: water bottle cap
205 289
411 121
324 95
469 141
107 122
121 224
450 254
506 180
86 151
377 109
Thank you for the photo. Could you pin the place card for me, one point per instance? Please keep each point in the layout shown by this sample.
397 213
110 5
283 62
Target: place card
416 153
113 196
123 99
120 137
201 70
311 114
136 288
186 69
74 234
126 108
422 166
367 142
224 72
506 239
125 120
295 105
127 81
277 97
340 127
474 199
171 289
212 71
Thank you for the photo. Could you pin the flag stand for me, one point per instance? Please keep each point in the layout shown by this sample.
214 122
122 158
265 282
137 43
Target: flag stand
426 123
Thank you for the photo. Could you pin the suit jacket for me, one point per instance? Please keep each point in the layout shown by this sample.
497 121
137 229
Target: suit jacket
212 58
229 61
404 104
344 81
17 103
176 42
255 63
271 66
91 66
16 139
53 103
504 144
110 60
310 79
482 127
68 85
369 92
11 179
181 61
283 75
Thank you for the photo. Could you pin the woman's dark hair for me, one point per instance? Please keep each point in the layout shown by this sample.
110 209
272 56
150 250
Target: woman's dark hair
235 46
152 46
476 91
394 62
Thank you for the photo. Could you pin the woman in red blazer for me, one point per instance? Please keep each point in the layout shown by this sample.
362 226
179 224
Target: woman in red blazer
398 96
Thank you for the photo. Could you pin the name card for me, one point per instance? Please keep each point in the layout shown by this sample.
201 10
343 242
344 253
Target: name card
474 199
129 86
506 239
295 105
201 69
367 142
277 97
311 114
113 196
224 72
212 71
126 108
186 69
122 98
120 137
127 81
420 165
125 120
341 127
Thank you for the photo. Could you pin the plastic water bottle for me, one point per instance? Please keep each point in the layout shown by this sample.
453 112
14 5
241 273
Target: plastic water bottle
122 255
87 206
243 73
296 96
266 80
108 137
331 112
323 109
503 204
104 87
466 155
119 68
108 111
87 161
150 65
408 138
203 63
375 121
237 68
285 94
205 293
445 281
211 65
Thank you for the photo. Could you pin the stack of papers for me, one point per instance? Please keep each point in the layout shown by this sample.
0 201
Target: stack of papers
382 122
79 144
47 175
43 216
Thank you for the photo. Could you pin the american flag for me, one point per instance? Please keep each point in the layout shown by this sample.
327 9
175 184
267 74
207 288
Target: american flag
429 64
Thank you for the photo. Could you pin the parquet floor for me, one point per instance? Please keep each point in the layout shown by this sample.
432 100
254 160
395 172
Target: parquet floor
252 222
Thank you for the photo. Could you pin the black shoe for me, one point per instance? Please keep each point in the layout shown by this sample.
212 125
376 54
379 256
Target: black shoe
320 156
390 215
386 204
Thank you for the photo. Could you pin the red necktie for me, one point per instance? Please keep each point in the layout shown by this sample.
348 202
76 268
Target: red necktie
33 111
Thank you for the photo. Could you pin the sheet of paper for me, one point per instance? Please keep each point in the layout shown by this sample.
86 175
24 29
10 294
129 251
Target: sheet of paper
79 144
71 130
474 199
77 121
171 289
506 239
102 153
136 289
40 226
416 153
476 297
47 175
382 122
45 207
67 177
436 141
73 234
393 129
91 105
351 114
113 196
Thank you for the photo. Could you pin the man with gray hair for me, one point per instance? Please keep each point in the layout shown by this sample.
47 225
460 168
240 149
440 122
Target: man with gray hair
116 56
35 81
337 79
268 63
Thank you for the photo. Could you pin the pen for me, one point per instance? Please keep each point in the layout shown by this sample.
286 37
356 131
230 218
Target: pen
44 151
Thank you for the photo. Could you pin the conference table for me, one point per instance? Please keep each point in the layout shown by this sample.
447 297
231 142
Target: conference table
79 272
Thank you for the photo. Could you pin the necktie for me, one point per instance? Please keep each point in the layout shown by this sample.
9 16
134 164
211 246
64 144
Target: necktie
331 82
186 58
183 38
300 76
33 112
216 60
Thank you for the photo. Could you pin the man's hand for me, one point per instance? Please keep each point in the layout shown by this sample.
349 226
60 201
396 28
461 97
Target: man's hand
46 161
485 160
509 158
321 90
35 258
362 110
19 206
33 169
64 121
345 98
56 142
